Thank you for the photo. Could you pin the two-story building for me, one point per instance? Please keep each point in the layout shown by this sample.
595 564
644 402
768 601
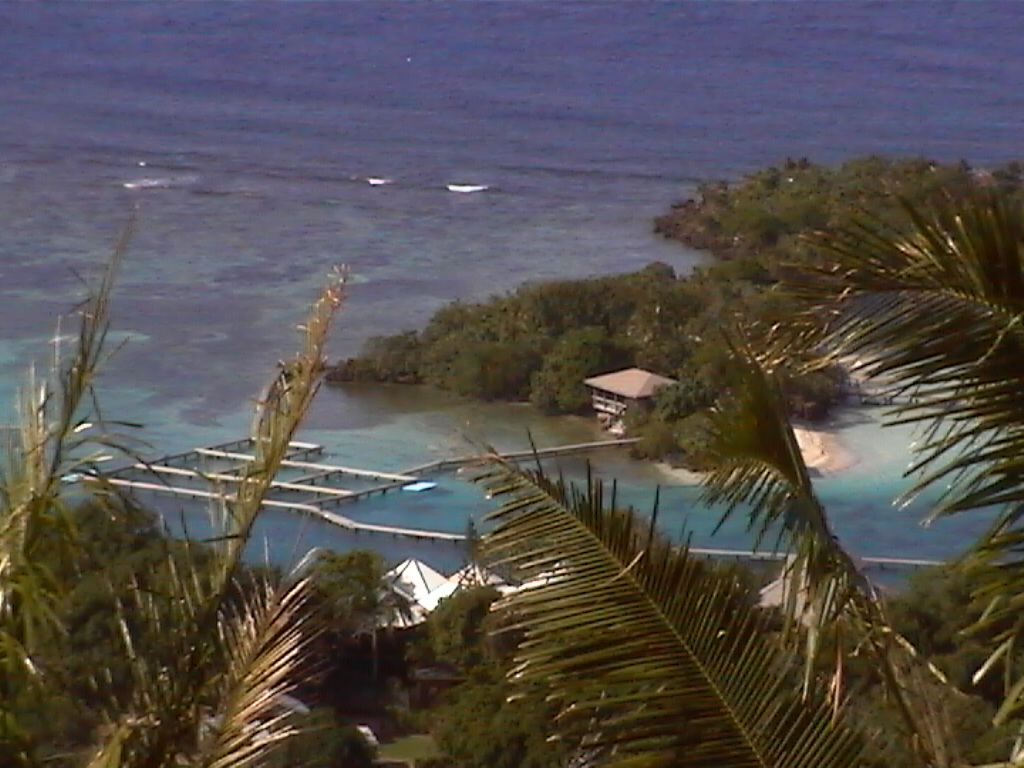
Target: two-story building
612 393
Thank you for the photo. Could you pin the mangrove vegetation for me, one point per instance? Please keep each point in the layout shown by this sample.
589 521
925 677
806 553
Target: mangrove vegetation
539 342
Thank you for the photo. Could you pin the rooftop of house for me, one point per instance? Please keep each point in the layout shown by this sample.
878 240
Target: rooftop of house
634 383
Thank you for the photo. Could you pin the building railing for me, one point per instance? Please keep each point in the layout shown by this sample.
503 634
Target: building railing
604 404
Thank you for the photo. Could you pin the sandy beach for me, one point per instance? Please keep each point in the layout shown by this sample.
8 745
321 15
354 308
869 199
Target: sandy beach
822 450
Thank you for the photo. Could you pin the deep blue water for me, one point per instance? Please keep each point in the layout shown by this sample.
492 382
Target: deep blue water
246 132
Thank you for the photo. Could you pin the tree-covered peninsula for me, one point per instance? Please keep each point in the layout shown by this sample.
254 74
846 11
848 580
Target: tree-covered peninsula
540 341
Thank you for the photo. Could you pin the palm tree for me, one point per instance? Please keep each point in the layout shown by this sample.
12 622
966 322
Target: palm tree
358 597
654 656
208 693
213 697
758 469
55 438
937 310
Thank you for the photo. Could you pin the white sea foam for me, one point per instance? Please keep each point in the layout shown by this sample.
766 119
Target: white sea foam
467 188
160 182
113 337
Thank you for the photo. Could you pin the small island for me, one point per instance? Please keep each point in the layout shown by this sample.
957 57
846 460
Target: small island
541 342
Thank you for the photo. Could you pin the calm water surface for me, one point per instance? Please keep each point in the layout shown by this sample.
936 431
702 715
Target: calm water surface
243 135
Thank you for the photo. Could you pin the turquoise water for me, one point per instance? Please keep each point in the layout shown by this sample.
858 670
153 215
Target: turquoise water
863 499
241 136
421 426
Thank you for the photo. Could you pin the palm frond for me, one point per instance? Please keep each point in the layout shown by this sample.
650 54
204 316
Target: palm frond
938 312
653 657
111 753
267 643
757 463
758 467
60 432
216 655
279 412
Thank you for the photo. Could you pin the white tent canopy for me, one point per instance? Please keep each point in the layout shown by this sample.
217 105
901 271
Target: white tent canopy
424 587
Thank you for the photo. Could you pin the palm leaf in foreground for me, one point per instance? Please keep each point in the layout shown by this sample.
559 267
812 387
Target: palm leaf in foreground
216 655
654 657
266 643
759 468
60 432
939 312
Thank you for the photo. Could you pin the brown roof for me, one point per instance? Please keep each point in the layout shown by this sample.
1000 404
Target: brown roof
634 383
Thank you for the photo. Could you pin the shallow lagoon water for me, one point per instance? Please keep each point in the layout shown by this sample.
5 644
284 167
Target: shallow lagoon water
423 426
245 133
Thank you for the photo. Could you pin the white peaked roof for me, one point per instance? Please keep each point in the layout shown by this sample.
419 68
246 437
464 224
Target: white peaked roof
415 579
424 587
445 590
633 383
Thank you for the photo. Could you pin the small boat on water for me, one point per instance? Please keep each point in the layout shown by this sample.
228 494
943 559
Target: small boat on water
417 487
377 181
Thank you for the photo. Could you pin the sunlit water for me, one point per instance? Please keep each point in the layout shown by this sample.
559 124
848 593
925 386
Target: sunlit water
242 136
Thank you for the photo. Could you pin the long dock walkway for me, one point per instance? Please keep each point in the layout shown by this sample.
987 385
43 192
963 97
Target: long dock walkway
882 563
210 473
309 509
542 453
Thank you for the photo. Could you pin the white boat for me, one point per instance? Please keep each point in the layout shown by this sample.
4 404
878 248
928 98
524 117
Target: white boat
377 181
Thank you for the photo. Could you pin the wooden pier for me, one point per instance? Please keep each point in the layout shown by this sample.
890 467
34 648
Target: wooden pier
441 465
763 556
210 473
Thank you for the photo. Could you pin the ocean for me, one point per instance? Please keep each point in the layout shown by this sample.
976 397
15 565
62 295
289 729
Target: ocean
242 137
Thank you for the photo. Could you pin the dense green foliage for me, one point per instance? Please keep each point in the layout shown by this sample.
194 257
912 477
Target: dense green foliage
757 223
476 723
322 743
539 342
935 613
480 727
351 594
121 548
120 551
459 631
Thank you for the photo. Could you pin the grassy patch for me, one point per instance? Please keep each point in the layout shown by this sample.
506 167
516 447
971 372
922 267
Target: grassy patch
418 746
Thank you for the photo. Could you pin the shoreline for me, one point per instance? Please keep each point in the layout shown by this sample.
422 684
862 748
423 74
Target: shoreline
823 452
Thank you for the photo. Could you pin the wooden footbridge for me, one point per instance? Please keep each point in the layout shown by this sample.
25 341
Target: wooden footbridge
778 556
306 483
